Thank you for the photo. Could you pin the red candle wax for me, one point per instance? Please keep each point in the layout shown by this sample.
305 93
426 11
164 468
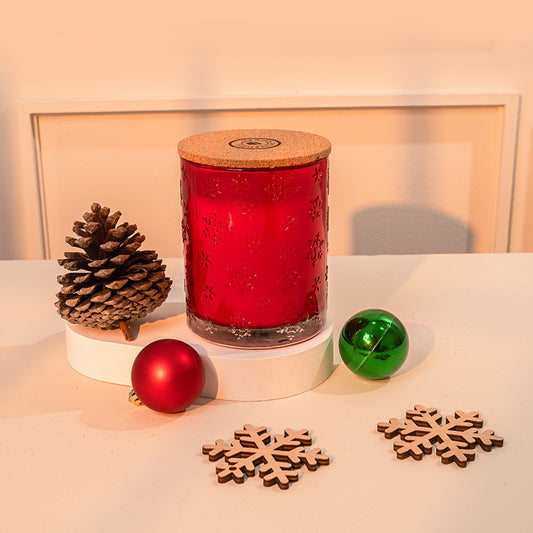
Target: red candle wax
255 243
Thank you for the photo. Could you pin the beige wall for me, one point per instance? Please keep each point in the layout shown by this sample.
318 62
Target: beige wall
115 50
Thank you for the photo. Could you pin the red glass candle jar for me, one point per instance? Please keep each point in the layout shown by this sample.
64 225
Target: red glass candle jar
255 221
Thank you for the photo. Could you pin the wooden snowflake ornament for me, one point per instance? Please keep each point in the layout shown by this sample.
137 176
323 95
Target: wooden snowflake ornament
279 460
456 438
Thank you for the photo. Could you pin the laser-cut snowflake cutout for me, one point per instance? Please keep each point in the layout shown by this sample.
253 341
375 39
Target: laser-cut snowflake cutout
278 461
456 438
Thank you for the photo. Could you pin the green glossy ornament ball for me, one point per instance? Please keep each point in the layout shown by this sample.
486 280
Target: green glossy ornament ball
373 344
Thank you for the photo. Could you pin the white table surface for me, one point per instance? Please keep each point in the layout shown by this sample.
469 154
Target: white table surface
76 456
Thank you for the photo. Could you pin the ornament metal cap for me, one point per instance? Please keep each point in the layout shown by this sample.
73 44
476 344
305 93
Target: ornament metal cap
133 398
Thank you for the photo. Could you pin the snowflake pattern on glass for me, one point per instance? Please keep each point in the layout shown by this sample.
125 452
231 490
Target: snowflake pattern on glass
315 208
240 279
317 174
289 279
286 252
213 229
290 331
209 327
209 293
316 249
240 333
290 314
247 209
253 244
264 305
240 183
212 186
184 174
204 259
281 185
316 283
240 321
290 223
185 226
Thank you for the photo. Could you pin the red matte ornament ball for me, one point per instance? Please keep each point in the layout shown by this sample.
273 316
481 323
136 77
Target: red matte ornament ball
168 375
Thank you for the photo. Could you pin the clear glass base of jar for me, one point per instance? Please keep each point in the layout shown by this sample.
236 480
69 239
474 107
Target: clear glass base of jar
250 338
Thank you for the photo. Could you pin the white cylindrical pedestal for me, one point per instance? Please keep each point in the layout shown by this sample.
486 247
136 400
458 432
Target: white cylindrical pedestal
231 374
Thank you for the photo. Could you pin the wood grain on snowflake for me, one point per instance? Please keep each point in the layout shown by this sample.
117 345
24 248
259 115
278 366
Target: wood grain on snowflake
455 439
278 461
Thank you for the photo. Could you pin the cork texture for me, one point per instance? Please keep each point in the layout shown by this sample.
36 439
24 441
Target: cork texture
254 148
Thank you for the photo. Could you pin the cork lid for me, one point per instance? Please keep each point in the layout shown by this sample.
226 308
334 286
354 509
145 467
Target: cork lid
254 148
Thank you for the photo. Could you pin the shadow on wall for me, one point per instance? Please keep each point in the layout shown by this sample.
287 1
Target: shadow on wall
408 230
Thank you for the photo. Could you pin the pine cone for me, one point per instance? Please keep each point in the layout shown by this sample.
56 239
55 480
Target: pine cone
111 282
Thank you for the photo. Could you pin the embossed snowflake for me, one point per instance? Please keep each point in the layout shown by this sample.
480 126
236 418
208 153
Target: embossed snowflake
185 230
214 228
316 249
264 305
204 259
289 279
456 439
286 252
281 185
278 460
240 320
212 184
290 223
240 183
290 313
209 327
240 333
240 279
315 208
209 292
253 243
317 174
290 331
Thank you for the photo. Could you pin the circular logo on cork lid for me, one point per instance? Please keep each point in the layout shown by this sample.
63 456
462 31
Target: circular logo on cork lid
255 143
